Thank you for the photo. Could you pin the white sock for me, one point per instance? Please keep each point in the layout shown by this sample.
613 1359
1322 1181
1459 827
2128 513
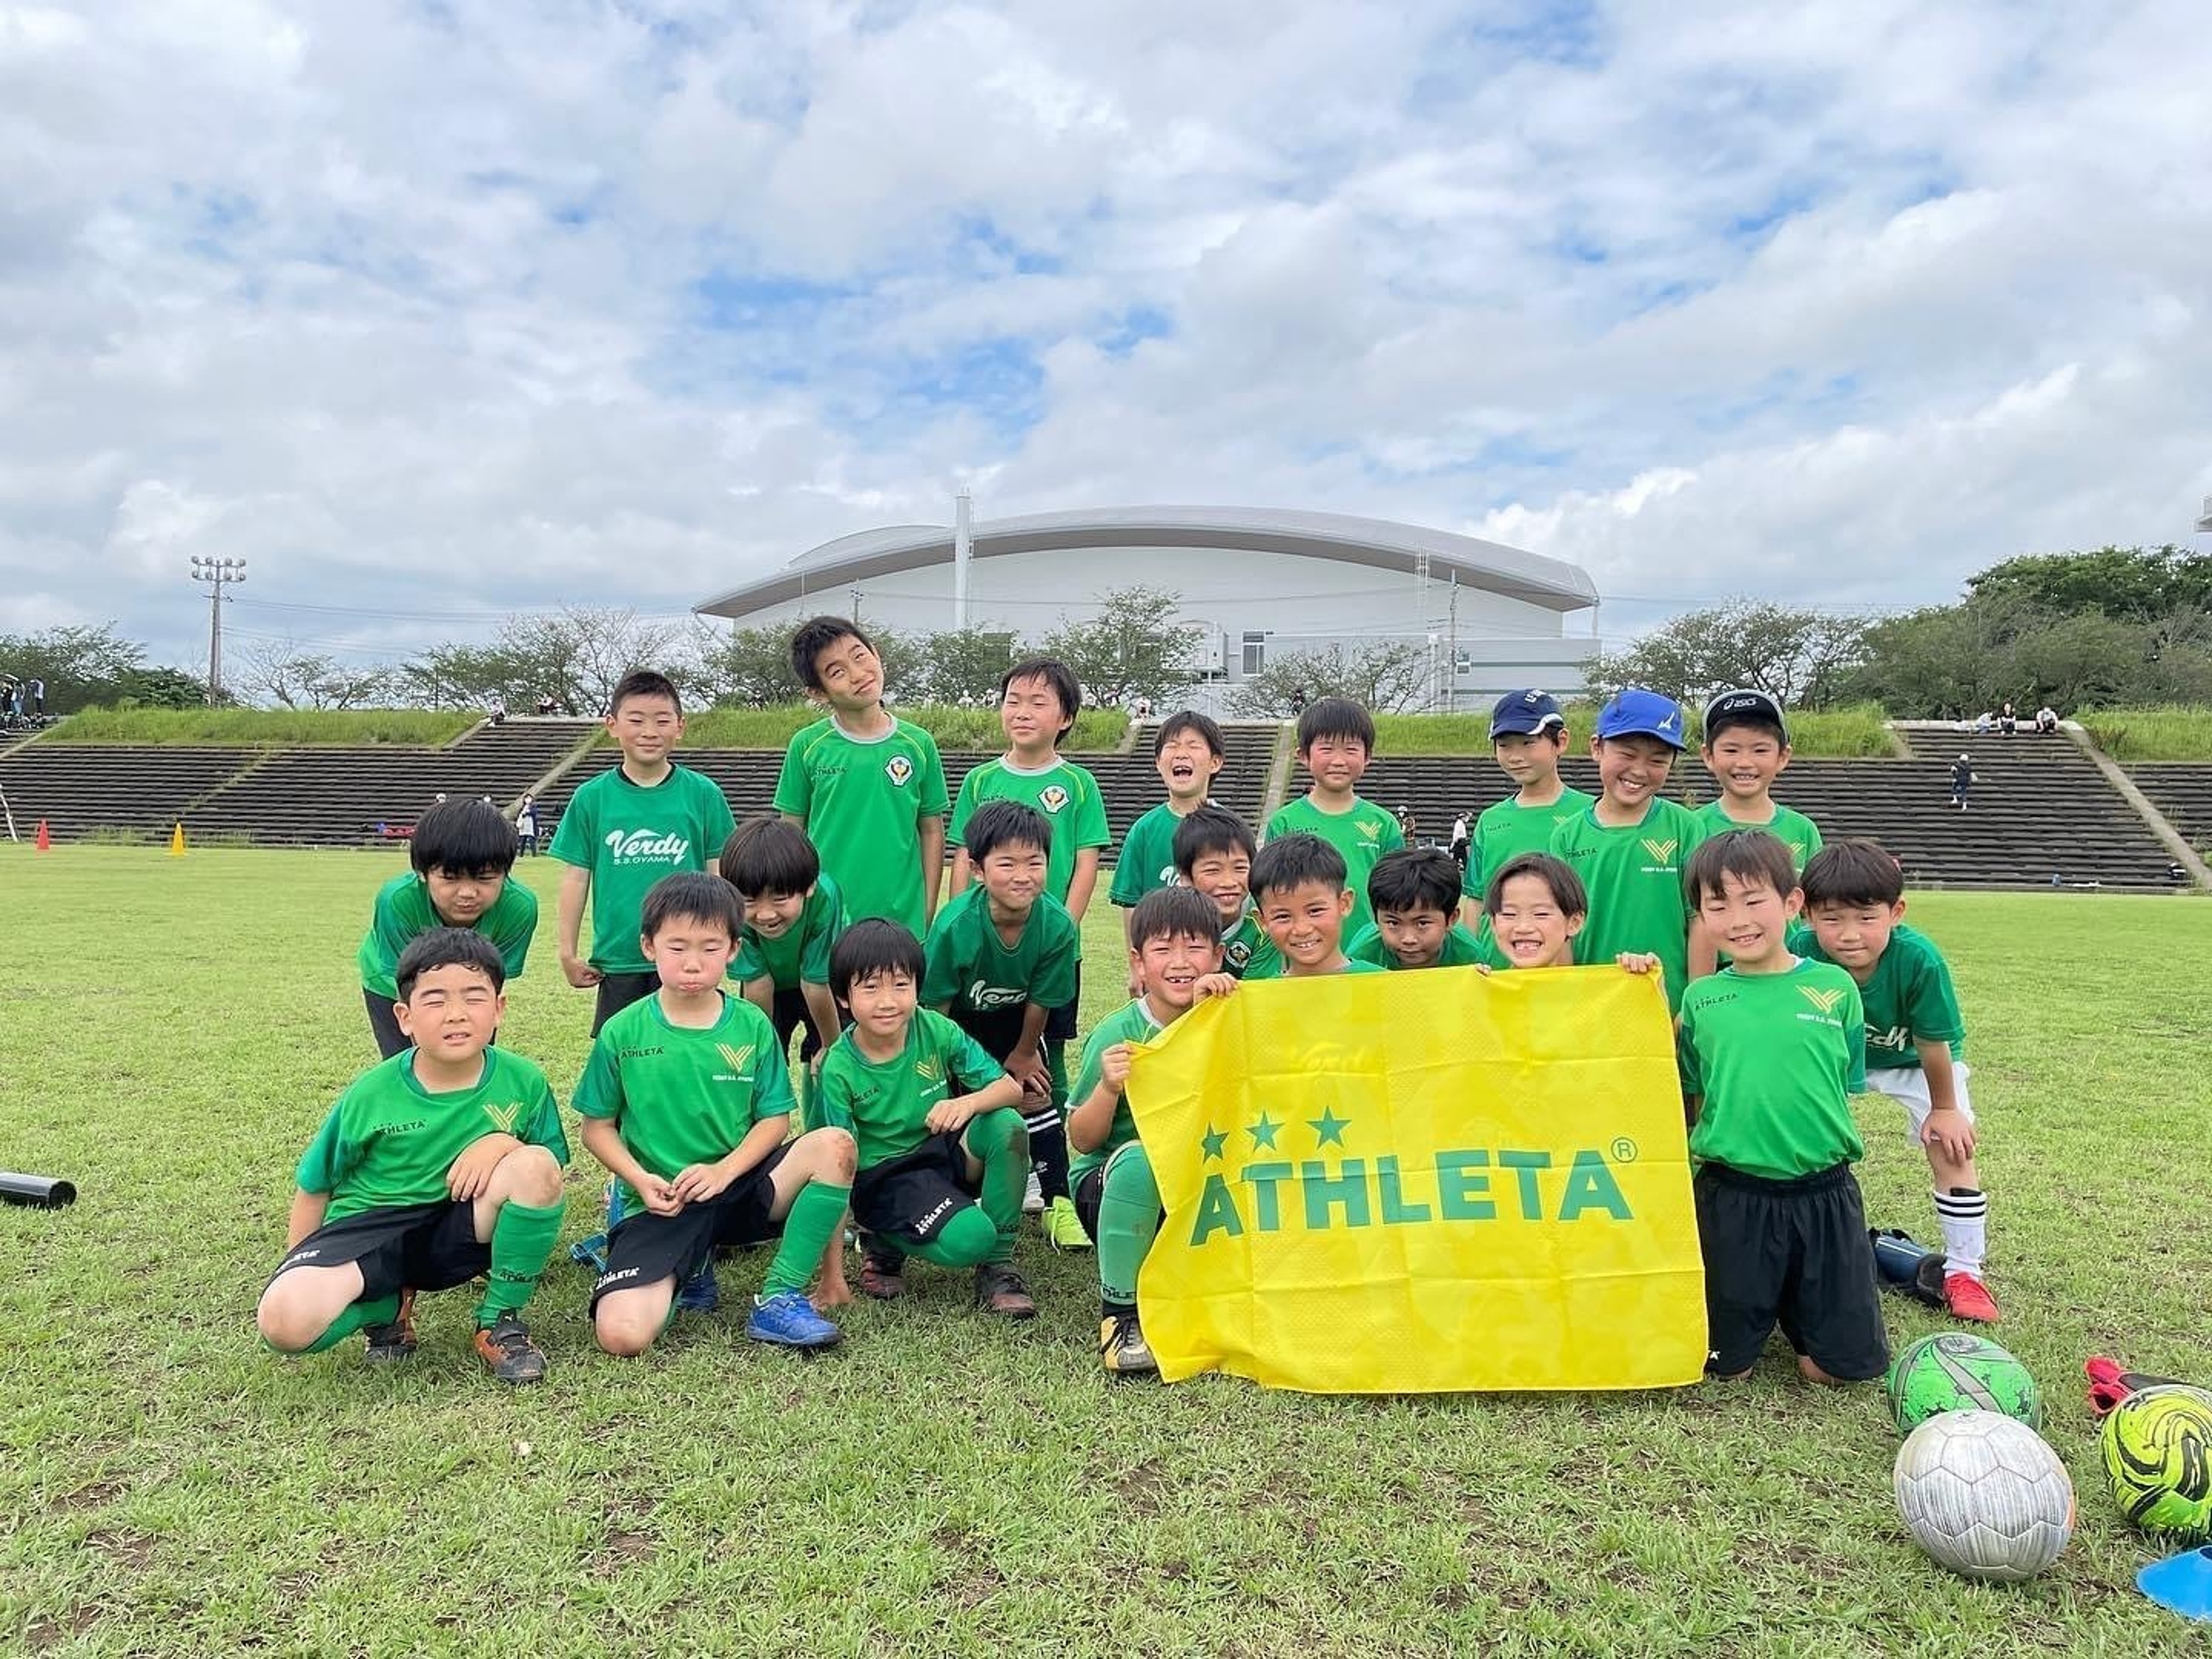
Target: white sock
1964 1212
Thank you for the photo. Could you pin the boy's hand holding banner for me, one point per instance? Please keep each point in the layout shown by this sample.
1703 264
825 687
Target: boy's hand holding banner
1384 1183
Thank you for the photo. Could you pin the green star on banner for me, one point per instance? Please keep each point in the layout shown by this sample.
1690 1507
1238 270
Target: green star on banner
1330 1127
1214 1141
1263 1132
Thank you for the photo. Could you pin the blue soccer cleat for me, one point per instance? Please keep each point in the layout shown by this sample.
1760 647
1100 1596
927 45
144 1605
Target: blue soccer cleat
701 1293
788 1320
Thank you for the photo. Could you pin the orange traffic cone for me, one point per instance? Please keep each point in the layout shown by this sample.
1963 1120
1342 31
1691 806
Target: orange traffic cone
46 842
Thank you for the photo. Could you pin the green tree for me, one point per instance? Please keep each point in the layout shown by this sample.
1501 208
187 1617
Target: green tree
749 667
1133 647
1386 676
469 677
1802 658
81 663
158 688
963 666
279 672
2135 583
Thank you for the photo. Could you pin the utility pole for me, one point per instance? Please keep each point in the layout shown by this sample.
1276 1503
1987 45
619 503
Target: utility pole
856 605
217 573
1451 656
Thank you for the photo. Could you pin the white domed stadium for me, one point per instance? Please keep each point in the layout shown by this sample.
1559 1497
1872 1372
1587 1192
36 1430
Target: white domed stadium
1254 582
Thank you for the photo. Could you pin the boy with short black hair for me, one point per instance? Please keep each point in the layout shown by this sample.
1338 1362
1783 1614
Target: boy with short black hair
792 914
686 1100
1628 846
866 787
1175 943
1336 740
1414 893
1527 737
1915 1040
623 831
1534 908
1772 1049
1002 959
1746 746
1298 885
1186 751
940 1175
462 853
439 1165
1213 853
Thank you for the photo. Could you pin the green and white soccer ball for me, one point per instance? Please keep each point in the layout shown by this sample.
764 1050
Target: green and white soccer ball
1954 1371
1983 1495
2158 1451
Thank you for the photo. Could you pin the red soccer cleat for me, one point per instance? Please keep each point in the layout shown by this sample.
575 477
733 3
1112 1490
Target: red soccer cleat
1967 1297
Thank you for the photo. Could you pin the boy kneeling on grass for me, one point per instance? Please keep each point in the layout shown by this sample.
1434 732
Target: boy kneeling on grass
439 1164
686 1099
941 1173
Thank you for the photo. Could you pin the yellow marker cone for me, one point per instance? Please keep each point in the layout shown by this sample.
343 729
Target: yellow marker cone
177 841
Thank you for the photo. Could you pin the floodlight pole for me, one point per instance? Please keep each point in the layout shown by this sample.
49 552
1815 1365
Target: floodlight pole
963 519
217 573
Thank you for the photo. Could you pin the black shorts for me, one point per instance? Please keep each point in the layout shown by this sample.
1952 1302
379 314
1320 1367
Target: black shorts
791 1013
645 1247
1791 1253
617 991
908 1199
1088 1193
385 1024
424 1247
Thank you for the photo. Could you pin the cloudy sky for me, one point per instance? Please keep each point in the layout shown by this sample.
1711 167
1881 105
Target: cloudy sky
440 309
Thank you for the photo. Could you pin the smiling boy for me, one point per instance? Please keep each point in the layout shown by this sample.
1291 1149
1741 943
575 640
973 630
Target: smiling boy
1527 737
1746 746
1186 751
1336 739
1414 892
1213 855
1298 885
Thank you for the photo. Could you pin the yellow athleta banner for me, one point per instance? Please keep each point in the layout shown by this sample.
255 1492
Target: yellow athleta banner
1436 1179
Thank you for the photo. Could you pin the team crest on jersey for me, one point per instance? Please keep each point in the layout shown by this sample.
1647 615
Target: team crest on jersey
505 1116
929 1071
738 1058
1661 851
1237 954
1826 1001
1370 828
1053 799
899 769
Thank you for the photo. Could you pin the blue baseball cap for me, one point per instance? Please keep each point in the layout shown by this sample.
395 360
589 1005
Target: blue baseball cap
1637 713
1525 712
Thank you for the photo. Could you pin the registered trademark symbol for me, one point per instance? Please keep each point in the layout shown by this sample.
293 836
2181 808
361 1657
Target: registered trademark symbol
1624 1151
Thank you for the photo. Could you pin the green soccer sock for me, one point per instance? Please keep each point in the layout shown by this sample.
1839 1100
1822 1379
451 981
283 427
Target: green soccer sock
966 1240
1128 1221
815 1215
1002 1144
521 1239
377 1311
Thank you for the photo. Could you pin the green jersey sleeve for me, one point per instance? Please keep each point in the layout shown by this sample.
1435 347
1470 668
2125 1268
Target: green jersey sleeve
794 791
831 1103
1060 958
933 799
544 1129
1686 1053
510 924
1091 828
943 958
328 1156
392 921
964 1058
963 805
823 925
1854 1039
599 1089
576 837
772 1091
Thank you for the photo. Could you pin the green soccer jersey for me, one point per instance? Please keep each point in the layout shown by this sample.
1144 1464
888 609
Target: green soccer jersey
1461 950
1067 796
1777 1058
862 801
974 971
404 912
389 1141
630 835
1247 952
1507 830
800 955
1634 879
884 1104
1363 832
1793 830
1274 968
1909 998
1131 1023
1147 863
679 1096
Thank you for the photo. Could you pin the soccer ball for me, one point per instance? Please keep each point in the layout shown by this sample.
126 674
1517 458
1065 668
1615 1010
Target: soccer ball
1983 1495
1957 1372
2158 1450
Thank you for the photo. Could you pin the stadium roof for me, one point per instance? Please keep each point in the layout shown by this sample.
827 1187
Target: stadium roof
1378 543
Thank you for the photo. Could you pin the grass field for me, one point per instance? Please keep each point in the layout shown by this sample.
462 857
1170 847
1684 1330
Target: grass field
276 728
2166 733
173 1031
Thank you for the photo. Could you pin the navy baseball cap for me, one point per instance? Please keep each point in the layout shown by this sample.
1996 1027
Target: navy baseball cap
1524 714
1744 707
1637 713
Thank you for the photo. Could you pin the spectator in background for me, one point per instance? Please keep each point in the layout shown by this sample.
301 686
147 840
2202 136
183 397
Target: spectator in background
525 827
1962 778
2008 721
499 711
1984 724
1459 841
2046 718
37 687
545 703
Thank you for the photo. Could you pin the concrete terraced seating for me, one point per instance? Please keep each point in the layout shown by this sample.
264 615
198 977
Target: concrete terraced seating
345 795
81 789
2182 790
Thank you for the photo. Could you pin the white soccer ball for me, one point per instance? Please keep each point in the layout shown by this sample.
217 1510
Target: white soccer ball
1983 1495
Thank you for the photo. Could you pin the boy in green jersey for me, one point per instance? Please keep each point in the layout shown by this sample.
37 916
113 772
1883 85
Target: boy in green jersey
1336 737
1175 943
1628 847
440 1165
1298 883
1746 747
1527 736
793 916
686 1101
1773 1048
1003 958
1916 1036
462 852
1535 906
1414 893
623 831
867 788
940 1172
1213 853
1187 752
